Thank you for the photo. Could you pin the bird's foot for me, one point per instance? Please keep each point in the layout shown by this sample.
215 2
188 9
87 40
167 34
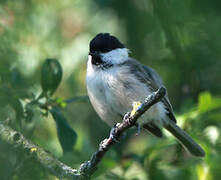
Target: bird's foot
127 118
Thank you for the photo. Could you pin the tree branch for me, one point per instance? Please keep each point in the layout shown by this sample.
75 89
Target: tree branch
89 167
18 141
59 169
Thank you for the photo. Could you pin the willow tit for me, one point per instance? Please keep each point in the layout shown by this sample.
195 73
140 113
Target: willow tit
115 81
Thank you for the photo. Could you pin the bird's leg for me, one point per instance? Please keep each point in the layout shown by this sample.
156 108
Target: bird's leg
127 119
138 128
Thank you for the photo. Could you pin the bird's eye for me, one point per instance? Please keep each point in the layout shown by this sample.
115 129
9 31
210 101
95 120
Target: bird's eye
96 59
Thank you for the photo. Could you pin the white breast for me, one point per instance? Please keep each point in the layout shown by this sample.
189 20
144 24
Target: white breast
112 93
97 88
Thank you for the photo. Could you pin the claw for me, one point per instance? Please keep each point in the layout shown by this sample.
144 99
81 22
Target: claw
126 116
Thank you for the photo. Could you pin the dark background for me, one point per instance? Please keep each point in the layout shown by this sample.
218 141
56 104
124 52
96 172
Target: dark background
180 39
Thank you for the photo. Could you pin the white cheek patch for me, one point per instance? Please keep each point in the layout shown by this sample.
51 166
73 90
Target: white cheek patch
116 56
89 57
90 69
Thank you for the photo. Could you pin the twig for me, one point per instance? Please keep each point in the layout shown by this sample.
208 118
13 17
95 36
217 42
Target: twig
89 167
77 98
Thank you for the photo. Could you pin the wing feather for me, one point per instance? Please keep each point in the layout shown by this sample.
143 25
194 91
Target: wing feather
150 77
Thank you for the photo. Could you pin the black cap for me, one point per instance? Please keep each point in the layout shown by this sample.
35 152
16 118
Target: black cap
104 42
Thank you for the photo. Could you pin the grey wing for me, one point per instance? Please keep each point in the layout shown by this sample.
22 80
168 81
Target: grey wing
153 80
157 82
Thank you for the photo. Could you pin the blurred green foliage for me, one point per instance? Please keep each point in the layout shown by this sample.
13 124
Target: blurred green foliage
180 39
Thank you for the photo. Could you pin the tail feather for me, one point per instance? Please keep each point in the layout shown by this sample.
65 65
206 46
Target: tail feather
152 128
185 139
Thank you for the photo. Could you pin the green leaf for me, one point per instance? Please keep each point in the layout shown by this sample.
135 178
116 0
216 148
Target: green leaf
16 104
207 103
51 75
66 135
204 102
61 102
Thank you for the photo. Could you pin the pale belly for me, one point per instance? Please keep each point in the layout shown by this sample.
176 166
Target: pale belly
112 99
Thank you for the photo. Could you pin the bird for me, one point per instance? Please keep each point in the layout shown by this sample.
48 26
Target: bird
115 81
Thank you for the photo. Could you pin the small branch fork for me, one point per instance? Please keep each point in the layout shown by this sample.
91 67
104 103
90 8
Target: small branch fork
59 169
